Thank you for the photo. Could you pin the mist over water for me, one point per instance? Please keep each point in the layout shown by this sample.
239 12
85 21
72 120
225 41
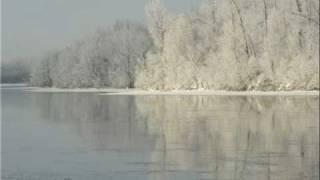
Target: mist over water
88 136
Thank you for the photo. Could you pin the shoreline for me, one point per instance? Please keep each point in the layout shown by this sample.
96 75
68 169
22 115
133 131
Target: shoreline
138 92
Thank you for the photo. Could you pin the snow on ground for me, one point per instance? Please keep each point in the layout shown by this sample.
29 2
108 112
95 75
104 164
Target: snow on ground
217 93
93 90
110 91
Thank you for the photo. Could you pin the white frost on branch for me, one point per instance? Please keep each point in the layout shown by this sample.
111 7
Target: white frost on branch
222 45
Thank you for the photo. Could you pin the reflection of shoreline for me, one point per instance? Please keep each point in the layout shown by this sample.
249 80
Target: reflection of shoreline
212 137
234 137
102 123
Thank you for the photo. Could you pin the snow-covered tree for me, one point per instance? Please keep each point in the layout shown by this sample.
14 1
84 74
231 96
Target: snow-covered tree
41 74
224 44
107 59
158 22
235 45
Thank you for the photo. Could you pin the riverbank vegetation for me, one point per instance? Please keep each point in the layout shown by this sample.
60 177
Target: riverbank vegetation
15 71
222 45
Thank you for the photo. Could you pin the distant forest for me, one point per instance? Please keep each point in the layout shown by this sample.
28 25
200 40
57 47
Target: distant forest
222 45
16 71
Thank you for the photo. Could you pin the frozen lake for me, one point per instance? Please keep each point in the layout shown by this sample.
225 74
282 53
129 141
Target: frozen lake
86 136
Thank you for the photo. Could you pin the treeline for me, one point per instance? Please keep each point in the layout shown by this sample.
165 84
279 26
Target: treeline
17 71
107 59
224 44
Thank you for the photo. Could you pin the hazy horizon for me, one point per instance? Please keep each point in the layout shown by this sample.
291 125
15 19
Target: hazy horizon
30 28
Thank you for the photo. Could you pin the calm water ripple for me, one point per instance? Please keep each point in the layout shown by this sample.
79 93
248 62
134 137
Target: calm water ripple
81 136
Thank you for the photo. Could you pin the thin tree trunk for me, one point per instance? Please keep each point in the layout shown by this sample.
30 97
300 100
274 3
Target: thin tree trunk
300 34
249 45
265 15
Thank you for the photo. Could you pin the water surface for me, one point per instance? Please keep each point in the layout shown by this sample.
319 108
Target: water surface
82 136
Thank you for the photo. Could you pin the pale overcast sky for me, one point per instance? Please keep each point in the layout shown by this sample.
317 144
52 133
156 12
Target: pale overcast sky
31 27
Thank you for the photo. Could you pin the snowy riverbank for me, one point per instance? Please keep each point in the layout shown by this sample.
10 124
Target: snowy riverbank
110 91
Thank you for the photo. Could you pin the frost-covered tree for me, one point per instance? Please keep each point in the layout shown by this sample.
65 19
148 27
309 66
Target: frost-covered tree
222 45
43 71
108 58
235 45
130 43
158 21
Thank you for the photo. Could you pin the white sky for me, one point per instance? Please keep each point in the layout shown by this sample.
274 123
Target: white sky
31 27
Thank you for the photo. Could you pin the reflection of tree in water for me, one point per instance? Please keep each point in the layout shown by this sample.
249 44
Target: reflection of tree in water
234 137
103 122
208 136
